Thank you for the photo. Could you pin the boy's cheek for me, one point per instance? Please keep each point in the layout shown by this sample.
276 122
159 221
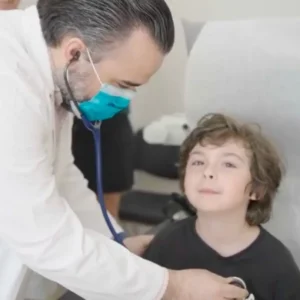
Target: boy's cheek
190 187
189 181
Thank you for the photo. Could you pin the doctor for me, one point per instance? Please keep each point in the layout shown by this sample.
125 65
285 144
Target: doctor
48 216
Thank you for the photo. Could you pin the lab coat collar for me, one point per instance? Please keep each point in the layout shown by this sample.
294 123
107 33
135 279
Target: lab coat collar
36 46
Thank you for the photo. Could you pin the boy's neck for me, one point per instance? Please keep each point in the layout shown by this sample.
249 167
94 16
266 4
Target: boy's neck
226 234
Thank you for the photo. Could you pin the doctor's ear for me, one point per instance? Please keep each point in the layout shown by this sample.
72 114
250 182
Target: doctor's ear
76 55
72 48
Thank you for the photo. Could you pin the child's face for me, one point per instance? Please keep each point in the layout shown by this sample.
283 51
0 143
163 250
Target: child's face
217 177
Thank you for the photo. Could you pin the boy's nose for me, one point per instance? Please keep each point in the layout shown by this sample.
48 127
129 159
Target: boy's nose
209 173
209 176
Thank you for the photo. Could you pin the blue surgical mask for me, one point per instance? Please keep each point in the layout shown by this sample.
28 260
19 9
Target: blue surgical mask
109 101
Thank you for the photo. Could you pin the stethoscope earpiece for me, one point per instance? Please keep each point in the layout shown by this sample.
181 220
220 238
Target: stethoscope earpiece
76 56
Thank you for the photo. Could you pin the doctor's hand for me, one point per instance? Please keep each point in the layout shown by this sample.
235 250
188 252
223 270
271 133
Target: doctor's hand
201 285
138 244
9 4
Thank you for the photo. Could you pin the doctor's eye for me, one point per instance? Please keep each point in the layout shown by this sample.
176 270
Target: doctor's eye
122 86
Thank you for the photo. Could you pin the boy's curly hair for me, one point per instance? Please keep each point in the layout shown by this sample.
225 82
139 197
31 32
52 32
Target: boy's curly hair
266 167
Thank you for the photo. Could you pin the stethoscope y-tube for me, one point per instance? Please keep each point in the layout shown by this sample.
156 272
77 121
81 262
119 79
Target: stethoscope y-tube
94 127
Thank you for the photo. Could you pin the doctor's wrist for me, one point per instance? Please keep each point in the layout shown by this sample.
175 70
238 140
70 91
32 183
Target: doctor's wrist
171 292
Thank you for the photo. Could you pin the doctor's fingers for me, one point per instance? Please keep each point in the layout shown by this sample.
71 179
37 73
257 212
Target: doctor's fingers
9 4
231 292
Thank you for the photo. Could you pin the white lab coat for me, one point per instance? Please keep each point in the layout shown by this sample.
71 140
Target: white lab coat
49 219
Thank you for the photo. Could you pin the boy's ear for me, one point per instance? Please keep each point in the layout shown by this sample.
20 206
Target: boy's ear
256 192
252 194
253 197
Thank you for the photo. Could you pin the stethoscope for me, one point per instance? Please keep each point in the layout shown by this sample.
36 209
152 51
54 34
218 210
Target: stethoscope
241 284
94 127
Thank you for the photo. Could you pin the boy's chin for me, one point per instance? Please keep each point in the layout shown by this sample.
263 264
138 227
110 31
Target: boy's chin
213 208
216 205
212 211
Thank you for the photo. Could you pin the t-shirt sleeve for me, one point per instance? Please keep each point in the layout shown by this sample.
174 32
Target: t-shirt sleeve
288 284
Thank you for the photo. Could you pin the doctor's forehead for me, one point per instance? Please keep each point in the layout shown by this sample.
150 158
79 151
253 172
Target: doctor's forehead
134 60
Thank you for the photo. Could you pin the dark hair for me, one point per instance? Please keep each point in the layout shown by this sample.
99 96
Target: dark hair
103 23
266 167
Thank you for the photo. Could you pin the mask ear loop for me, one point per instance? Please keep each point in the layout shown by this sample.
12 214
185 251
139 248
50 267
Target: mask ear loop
93 66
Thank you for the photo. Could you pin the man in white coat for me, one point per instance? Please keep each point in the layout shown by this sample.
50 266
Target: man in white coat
48 217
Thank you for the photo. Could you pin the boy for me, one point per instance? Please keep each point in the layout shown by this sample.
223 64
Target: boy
230 174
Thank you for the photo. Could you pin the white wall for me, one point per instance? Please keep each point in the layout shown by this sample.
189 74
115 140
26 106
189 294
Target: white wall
25 3
227 9
234 9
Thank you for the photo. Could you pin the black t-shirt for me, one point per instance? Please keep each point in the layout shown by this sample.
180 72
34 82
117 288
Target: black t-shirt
266 266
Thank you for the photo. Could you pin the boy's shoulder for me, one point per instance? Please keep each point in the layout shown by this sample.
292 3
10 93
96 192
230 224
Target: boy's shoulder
176 228
275 250
169 237
282 267
278 247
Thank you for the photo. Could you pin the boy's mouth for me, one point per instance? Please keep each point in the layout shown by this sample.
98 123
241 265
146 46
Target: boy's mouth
209 191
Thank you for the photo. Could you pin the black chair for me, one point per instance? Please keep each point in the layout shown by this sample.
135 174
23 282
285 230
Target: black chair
155 209
156 159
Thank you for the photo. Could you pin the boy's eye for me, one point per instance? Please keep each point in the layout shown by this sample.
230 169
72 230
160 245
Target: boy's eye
229 165
197 163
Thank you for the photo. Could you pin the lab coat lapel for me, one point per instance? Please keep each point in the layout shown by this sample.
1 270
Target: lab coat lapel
36 46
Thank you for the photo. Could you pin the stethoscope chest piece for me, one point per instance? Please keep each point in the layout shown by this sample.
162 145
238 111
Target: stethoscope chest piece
241 284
